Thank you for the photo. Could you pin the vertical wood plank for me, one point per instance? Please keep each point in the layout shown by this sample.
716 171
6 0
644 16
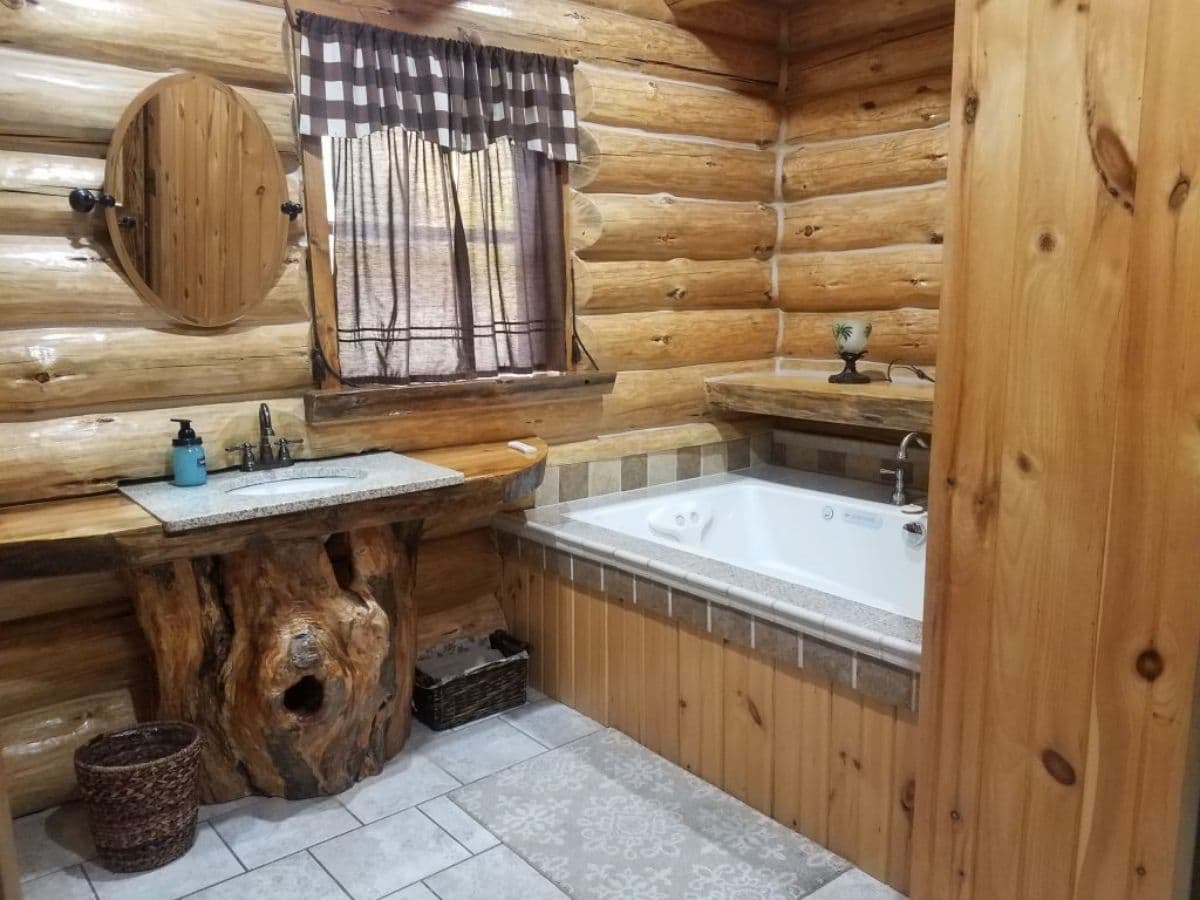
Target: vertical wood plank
660 686
900 797
551 649
701 696
787 740
1149 628
875 789
536 587
625 678
10 872
591 655
845 771
815 756
565 643
749 717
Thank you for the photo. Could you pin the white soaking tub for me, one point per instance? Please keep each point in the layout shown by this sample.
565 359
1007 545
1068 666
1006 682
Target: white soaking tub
848 547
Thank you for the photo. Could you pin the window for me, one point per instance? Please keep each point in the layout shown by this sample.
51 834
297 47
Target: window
445 196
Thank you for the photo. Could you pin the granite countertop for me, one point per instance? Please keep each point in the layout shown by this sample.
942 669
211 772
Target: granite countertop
375 475
887 635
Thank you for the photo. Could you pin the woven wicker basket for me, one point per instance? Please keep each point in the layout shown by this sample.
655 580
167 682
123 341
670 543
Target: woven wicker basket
491 689
140 787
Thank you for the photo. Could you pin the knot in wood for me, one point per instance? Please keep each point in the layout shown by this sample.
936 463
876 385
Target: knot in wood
1058 767
1179 193
971 107
1150 664
303 652
908 795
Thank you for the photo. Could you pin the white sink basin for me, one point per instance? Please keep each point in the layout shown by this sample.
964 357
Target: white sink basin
301 484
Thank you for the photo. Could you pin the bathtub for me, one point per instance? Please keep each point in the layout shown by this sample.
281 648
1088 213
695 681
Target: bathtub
848 547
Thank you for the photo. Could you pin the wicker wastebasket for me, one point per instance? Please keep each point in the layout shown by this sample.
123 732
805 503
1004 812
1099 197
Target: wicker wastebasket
140 787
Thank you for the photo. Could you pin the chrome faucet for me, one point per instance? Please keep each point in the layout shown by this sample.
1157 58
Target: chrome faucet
266 458
899 495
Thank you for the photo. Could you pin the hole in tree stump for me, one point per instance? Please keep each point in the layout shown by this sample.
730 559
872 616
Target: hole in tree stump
305 697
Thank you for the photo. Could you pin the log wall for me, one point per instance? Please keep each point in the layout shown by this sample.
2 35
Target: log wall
670 218
867 99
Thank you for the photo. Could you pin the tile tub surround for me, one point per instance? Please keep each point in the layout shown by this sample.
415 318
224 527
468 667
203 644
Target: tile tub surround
855 645
596 478
847 457
376 475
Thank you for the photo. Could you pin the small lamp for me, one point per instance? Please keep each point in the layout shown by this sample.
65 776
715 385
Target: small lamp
851 335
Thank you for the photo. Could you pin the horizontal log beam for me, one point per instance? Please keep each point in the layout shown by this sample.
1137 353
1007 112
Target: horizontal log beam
624 227
232 42
455 569
392 401
69 656
816 25
745 19
55 98
912 215
866 164
48 369
894 59
613 160
30 597
37 748
656 340
564 28
59 281
89 453
902 335
634 100
881 278
672 284
920 102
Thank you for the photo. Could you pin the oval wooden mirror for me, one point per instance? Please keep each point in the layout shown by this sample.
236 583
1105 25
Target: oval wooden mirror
198 183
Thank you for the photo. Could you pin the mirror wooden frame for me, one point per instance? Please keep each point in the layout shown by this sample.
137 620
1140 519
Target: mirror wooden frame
275 244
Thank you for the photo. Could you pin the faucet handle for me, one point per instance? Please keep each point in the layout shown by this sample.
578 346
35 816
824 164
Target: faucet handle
892 473
249 463
284 456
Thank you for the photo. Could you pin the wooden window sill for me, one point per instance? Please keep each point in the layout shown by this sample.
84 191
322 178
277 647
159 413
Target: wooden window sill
388 401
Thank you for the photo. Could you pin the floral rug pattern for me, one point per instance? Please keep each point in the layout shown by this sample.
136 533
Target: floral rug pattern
605 818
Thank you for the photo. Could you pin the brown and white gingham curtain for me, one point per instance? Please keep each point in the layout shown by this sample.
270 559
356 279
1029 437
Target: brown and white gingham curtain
357 79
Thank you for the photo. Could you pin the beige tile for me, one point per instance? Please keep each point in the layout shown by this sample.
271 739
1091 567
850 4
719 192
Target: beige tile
714 459
547 492
604 477
660 467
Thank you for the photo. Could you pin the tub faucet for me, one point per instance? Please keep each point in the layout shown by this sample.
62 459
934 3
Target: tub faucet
899 495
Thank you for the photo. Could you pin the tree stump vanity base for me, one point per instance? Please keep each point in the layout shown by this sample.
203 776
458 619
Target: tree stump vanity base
294 658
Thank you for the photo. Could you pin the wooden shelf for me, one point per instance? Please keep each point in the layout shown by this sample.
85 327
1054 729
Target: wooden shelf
84 534
903 406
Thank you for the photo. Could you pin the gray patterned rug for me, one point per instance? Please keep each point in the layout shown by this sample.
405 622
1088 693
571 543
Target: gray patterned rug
605 818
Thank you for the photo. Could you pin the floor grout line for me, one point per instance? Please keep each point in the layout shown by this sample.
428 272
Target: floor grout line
308 852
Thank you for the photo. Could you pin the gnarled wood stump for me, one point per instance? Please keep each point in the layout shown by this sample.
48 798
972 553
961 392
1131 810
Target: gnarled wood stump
294 658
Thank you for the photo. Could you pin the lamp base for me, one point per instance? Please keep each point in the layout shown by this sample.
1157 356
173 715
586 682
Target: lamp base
850 374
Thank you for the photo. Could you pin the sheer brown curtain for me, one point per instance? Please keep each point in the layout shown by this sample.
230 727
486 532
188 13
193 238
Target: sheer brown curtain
448 265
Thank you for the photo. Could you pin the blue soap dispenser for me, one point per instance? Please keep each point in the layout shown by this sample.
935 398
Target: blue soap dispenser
187 456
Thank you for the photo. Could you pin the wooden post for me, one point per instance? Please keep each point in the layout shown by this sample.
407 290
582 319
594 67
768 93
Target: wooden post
295 658
10 873
1061 626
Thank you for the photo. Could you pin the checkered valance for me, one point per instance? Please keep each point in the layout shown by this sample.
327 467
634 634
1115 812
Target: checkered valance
356 79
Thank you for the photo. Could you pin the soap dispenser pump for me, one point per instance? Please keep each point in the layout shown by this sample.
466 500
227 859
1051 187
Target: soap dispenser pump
187 456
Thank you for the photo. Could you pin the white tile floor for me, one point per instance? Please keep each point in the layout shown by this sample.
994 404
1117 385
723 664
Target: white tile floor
396 835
